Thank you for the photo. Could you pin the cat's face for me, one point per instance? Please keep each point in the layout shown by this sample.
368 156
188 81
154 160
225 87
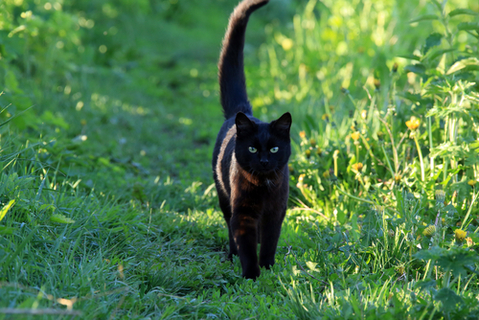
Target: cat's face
265 147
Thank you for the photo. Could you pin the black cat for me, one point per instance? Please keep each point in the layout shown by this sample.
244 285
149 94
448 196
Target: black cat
250 158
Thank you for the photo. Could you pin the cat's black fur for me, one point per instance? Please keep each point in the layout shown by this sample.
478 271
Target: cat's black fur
250 158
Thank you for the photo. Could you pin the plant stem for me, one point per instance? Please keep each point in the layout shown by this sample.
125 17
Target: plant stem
353 197
474 198
387 159
421 160
429 129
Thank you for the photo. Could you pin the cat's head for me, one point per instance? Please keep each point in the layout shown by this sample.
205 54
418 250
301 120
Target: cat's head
262 148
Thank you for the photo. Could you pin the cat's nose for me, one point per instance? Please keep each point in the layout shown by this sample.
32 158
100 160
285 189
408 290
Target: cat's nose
264 163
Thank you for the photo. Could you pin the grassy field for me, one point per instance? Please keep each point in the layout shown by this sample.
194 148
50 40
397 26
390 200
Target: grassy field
110 112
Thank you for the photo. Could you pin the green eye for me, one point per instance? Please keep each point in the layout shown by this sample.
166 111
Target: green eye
252 149
274 149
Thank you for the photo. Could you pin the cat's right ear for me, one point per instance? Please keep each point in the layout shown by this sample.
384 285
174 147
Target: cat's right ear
243 123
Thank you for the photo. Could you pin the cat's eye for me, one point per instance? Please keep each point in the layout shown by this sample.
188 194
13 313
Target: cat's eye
252 149
274 149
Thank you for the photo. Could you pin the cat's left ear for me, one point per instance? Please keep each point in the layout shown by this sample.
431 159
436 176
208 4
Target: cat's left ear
283 123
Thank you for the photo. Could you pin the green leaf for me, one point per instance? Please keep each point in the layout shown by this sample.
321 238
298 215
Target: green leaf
468 26
439 6
448 298
467 64
413 97
459 11
415 68
433 40
60 218
410 57
433 54
426 284
6 230
5 208
432 254
424 18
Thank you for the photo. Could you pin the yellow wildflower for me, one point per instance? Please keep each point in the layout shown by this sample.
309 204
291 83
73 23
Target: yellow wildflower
355 135
326 174
357 166
413 123
397 177
460 235
302 134
312 141
472 183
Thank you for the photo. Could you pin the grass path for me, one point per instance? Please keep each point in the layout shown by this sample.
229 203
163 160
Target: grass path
107 205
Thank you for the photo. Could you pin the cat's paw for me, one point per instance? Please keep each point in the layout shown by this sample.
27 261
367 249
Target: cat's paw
252 273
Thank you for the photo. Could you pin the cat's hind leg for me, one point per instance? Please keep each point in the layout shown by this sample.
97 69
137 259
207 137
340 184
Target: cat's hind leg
226 208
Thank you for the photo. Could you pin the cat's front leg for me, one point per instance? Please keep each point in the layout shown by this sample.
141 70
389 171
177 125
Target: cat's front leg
244 229
270 231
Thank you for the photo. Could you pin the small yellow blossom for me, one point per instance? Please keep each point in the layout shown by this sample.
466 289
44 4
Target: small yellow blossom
460 235
429 231
357 166
302 134
326 174
355 135
397 178
472 183
325 117
307 152
413 123
312 141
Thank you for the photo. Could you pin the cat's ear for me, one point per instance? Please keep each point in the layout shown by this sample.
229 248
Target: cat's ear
243 123
283 123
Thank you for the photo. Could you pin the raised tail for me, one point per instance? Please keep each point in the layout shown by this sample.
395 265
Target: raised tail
231 69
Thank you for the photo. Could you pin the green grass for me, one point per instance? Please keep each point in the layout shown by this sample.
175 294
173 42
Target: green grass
108 206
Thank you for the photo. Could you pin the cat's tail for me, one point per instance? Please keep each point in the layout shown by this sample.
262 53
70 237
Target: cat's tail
231 69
